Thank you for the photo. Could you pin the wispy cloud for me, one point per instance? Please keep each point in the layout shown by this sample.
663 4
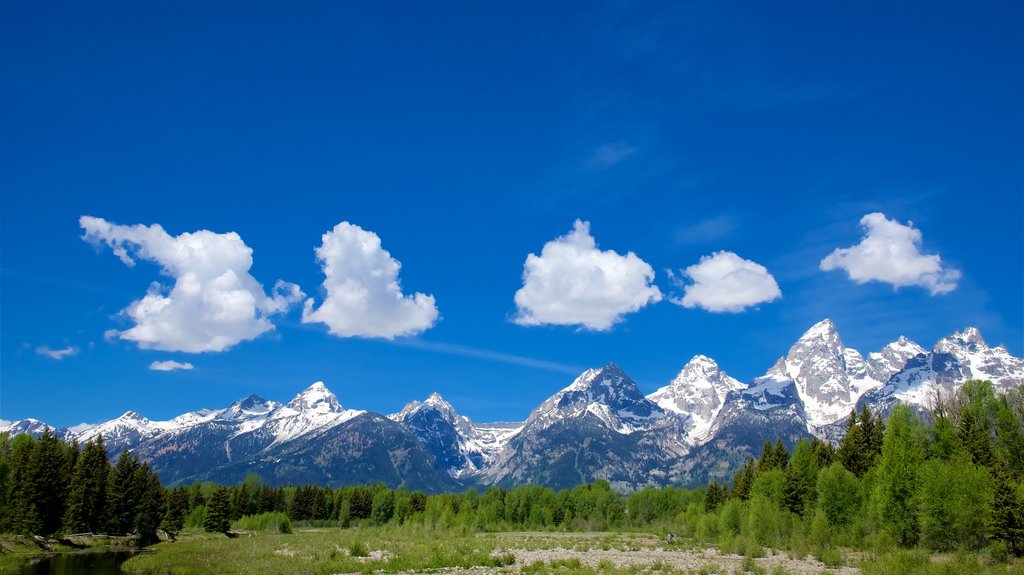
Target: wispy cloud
56 354
489 355
170 365
609 155
707 230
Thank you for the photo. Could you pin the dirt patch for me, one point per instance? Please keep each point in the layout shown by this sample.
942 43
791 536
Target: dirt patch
680 559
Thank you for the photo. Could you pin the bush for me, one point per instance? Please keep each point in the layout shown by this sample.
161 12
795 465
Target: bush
358 549
273 522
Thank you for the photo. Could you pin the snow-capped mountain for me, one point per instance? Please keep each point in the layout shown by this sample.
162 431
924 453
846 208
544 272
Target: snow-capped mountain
702 425
955 359
599 427
607 394
457 444
697 393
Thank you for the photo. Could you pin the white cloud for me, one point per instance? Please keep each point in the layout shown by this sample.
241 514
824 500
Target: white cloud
215 302
169 365
572 282
891 252
364 298
725 282
57 354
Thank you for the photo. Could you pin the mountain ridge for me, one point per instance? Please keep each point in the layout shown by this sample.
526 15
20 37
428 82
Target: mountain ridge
700 425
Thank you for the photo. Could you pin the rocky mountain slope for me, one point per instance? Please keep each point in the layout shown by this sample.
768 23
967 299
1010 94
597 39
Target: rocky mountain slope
701 425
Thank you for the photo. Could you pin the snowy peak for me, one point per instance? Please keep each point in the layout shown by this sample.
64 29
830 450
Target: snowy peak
250 407
608 394
892 358
823 331
316 398
697 392
817 363
969 340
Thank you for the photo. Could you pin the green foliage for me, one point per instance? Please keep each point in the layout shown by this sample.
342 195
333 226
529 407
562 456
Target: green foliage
87 496
893 500
954 500
838 495
218 511
270 522
383 507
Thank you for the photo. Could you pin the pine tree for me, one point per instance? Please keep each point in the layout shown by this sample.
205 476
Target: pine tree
801 478
713 497
177 509
87 497
123 494
151 503
48 473
22 516
743 480
1007 521
217 511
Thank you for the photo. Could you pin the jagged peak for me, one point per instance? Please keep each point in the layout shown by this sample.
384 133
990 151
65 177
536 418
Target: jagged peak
133 416
969 337
316 397
822 329
436 400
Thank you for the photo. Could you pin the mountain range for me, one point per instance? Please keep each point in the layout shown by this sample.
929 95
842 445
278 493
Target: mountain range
700 426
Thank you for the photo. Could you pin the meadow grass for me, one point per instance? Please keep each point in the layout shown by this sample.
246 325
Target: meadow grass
412 549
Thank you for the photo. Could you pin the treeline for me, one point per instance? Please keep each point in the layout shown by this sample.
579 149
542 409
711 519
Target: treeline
953 482
48 487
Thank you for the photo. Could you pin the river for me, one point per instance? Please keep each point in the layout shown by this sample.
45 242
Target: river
93 563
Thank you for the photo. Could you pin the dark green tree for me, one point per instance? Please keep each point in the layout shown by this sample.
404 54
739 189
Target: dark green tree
21 516
48 472
87 497
801 479
177 509
123 494
743 480
150 507
383 507
218 510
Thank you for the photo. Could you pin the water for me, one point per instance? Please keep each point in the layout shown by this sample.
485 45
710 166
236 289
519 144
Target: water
104 563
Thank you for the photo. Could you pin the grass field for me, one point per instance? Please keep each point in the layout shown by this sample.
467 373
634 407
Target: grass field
420 550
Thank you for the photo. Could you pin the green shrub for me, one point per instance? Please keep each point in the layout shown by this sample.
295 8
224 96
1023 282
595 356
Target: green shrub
272 522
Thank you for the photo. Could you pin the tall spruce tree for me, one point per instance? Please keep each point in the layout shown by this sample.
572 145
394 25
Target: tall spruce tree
123 494
151 504
48 474
177 509
87 496
218 510
21 516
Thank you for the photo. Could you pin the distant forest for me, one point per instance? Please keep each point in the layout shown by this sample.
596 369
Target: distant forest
951 481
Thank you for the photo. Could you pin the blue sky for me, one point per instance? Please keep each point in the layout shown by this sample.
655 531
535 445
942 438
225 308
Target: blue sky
464 137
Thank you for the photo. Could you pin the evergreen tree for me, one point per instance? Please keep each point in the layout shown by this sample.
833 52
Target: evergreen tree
149 509
48 474
87 497
743 479
772 457
22 516
801 478
714 496
177 509
217 511
1007 521
123 494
